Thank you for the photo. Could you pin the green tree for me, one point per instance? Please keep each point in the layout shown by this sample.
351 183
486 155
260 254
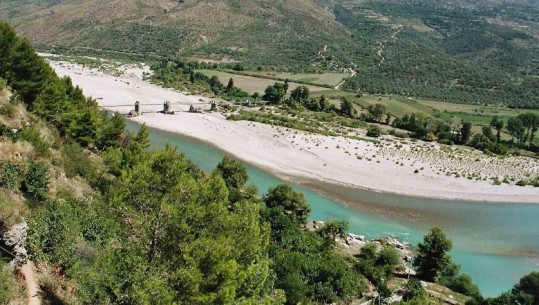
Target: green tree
529 285
215 85
142 137
133 152
487 132
374 131
300 94
452 278
293 202
275 93
432 255
530 122
515 127
36 181
110 131
8 38
333 229
497 124
53 104
413 290
377 111
233 172
347 108
84 128
465 132
256 96
230 85
27 73
193 245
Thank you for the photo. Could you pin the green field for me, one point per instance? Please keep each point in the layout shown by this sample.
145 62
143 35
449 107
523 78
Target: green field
251 84
451 113
327 78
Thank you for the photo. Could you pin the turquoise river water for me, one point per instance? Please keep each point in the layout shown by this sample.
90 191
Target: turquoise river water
495 244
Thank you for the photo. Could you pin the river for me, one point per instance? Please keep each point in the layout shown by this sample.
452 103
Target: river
495 244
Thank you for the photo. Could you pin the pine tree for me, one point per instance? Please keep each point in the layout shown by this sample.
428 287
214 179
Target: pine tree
7 41
109 133
143 137
84 129
52 104
432 255
28 73
230 85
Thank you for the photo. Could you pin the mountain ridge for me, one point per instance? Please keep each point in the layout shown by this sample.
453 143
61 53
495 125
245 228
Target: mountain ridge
467 51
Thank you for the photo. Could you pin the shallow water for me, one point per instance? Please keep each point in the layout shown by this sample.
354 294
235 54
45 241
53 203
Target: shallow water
496 244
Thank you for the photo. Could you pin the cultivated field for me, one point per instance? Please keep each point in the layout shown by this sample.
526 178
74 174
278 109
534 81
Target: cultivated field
251 84
451 113
328 78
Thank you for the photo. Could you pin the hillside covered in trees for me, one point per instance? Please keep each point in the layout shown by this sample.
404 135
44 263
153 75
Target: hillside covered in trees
461 51
111 221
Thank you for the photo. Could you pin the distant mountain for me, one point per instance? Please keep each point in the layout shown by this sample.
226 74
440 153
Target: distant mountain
463 50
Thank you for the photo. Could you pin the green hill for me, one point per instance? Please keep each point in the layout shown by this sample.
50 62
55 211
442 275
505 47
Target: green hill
482 52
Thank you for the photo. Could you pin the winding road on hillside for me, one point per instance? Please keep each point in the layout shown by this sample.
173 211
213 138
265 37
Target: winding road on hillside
352 74
382 46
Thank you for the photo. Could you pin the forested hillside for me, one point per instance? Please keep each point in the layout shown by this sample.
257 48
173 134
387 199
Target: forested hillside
109 221
482 52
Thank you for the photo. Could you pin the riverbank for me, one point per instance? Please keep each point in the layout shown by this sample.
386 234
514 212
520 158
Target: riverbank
394 165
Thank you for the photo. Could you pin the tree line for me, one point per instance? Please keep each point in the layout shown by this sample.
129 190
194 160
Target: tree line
183 75
276 94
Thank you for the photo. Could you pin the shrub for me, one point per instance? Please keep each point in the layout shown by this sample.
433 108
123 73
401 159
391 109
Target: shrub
7 285
8 110
33 136
8 132
413 290
77 162
398 134
445 141
374 131
11 174
36 181
458 282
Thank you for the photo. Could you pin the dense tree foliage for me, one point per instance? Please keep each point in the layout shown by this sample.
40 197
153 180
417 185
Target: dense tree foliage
292 202
451 278
347 108
461 58
378 264
233 172
182 75
275 93
432 255
522 128
305 264
156 229
53 98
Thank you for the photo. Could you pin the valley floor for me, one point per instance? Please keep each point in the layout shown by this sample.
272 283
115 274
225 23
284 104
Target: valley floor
393 165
